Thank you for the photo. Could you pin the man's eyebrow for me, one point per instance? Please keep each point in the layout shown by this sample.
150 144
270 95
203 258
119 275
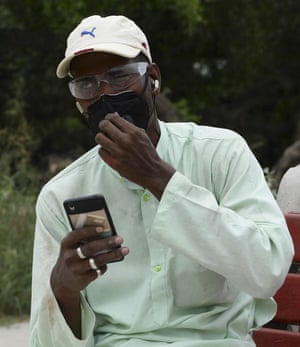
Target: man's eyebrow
120 68
116 69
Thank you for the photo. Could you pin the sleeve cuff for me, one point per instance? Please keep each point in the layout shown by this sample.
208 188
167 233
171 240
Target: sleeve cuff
53 327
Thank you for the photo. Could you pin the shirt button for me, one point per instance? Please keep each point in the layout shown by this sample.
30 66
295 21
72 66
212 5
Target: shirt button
146 197
157 268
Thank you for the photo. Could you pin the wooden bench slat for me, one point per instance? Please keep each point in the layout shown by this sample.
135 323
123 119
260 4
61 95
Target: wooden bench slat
293 222
288 300
266 337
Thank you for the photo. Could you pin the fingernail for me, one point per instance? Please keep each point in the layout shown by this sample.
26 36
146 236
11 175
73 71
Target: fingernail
115 241
125 251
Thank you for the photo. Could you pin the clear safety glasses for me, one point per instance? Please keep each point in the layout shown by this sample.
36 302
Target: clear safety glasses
119 78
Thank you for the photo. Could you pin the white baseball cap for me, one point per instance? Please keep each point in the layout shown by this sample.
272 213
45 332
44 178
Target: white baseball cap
113 34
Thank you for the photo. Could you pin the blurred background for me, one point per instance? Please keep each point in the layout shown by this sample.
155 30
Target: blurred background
226 63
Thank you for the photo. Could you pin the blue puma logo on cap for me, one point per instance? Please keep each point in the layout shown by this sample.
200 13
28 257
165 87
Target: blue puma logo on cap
86 32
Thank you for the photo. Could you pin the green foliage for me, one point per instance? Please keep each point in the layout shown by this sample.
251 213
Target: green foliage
19 183
16 233
233 64
185 111
18 188
190 13
16 141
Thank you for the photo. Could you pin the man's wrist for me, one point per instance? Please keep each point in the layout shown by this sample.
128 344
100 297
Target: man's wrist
61 293
159 179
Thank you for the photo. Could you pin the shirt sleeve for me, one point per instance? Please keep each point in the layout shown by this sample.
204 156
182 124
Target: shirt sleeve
234 228
48 327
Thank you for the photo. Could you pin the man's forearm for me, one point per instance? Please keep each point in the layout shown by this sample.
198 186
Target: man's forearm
70 307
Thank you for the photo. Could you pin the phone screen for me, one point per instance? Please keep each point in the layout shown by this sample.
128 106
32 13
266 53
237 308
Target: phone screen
89 210
91 218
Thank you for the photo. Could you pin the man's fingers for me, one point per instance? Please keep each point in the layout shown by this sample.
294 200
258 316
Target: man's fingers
111 161
116 254
91 248
82 235
115 127
121 123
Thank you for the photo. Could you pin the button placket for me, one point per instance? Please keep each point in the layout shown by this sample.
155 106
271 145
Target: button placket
157 251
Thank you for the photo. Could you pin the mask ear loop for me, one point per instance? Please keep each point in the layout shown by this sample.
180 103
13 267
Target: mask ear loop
83 113
81 110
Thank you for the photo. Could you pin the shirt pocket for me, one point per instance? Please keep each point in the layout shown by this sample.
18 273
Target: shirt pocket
195 286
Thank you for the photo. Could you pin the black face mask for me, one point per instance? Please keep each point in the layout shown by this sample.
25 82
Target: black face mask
129 105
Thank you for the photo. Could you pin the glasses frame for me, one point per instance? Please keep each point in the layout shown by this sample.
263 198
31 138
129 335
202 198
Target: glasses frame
141 68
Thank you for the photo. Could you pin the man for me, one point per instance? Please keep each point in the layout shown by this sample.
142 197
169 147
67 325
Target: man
208 243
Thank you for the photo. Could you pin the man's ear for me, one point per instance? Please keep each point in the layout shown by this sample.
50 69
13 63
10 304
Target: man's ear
154 74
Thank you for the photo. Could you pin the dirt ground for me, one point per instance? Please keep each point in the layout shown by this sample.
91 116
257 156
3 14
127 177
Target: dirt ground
15 335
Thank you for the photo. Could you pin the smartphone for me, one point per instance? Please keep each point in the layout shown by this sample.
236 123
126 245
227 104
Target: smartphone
90 210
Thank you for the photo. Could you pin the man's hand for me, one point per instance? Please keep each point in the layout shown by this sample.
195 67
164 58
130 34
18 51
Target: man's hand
129 150
71 274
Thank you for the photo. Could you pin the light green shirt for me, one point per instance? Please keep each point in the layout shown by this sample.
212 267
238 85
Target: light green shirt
203 261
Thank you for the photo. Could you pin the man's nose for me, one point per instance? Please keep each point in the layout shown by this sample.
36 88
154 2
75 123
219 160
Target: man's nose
104 88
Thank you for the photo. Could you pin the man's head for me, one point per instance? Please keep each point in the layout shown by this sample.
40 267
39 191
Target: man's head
116 35
111 70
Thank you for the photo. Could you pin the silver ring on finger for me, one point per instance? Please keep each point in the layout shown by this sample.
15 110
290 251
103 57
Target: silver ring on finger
79 253
93 265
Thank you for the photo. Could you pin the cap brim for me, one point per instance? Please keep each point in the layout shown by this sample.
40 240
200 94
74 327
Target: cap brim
63 67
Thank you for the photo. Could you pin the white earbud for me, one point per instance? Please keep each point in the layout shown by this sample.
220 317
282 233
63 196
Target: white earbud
156 85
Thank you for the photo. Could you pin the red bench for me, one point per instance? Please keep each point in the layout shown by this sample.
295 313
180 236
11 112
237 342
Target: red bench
288 301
